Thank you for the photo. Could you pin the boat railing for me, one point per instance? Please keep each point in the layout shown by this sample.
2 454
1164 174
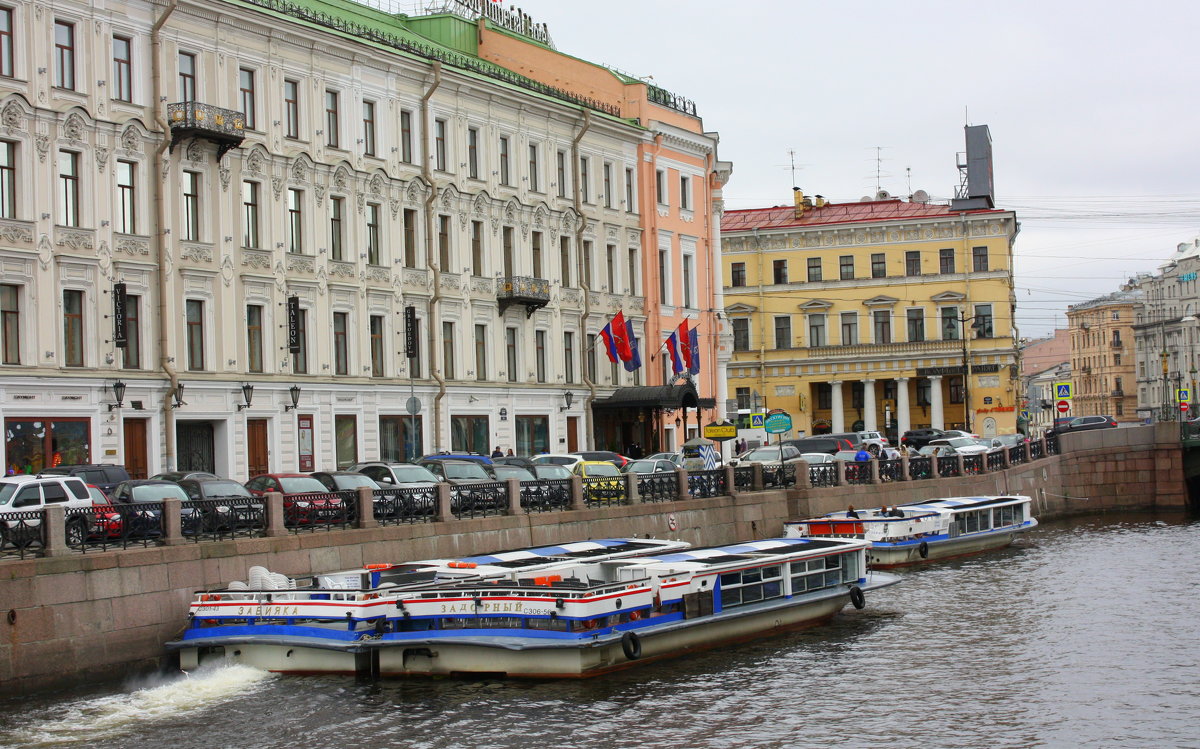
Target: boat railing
706 484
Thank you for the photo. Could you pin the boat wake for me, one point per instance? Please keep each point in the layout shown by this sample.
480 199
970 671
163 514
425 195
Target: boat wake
167 698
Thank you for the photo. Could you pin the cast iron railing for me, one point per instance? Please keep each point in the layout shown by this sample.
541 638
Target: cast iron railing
920 468
705 484
546 495
407 504
947 465
319 511
599 491
22 534
210 519
658 487
479 499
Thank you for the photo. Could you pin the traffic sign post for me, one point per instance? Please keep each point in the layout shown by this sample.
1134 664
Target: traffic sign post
1183 407
1183 395
1063 406
1063 390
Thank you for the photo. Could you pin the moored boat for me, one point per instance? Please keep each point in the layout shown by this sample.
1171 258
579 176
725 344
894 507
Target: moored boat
576 618
927 531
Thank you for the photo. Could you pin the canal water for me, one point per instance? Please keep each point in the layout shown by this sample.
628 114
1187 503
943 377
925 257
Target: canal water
1085 633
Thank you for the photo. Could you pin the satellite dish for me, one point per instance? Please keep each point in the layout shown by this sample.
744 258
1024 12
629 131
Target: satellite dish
883 195
865 199
920 196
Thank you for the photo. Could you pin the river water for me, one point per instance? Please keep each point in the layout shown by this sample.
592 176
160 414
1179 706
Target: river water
1086 632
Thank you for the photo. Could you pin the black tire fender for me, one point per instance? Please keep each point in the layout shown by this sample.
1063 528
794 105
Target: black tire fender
631 645
857 598
923 550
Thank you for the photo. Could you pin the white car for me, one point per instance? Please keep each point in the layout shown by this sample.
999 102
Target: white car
875 442
26 493
772 454
814 458
558 459
954 445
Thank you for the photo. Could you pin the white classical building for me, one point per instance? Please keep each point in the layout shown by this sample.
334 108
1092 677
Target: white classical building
268 188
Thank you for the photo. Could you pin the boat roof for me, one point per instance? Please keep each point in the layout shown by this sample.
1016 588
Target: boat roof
749 551
960 503
581 550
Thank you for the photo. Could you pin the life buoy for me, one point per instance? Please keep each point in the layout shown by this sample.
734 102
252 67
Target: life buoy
631 644
635 615
857 598
589 623
923 550
377 566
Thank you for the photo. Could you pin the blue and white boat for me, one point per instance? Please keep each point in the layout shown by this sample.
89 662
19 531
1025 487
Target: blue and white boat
926 531
575 618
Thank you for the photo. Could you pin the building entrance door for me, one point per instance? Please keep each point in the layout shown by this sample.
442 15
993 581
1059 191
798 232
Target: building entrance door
257 450
572 434
194 445
136 457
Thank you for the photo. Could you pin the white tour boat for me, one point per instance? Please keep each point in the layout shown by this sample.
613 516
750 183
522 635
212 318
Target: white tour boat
926 531
573 617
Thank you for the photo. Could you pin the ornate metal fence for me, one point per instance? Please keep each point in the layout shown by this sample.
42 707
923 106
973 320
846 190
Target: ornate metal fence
891 470
823 474
1017 454
210 519
408 504
22 534
743 478
479 499
658 487
995 460
1035 449
1052 446
858 471
972 464
599 491
704 484
948 465
778 475
319 511
920 468
546 495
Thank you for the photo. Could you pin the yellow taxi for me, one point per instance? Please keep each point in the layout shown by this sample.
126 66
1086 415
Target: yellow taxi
603 483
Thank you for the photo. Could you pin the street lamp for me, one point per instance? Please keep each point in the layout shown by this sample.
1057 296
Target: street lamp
118 389
963 320
294 393
247 394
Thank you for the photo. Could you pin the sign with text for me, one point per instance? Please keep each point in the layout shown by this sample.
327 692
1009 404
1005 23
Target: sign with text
120 313
778 423
720 432
293 323
410 332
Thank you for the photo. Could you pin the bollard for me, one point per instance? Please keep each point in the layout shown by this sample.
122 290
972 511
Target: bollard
631 489
365 504
274 510
445 512
171 522
513 489
54 532
577 502
730 486
758 477
681 487
874 463
841 472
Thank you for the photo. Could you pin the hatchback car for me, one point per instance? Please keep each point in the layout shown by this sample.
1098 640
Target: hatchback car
784 453
918 438
240 509
602 481
820 444
649 466
139 502
605 455
396 474
954 446
567 461
178 476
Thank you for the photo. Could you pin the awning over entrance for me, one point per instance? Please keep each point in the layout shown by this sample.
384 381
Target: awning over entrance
657 396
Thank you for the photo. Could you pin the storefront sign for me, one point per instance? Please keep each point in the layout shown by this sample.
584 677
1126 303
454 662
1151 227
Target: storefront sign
720 432
293 321
304 425
120 337
778 423
410 332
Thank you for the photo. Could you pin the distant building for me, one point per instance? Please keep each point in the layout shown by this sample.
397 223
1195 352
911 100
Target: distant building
1043 353
1167 333
853 315
1102 359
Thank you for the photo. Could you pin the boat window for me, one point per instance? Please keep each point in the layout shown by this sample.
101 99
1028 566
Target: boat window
822 573
747 586
771 572
558 625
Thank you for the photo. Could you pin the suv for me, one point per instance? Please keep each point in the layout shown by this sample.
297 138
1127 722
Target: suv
103 476
826 443
1083 423
918 438
27 493
874 441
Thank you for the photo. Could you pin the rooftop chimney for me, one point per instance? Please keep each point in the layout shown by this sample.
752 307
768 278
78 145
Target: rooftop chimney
801 204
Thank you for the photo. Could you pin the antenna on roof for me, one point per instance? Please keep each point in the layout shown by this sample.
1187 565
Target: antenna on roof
792 158
908 179
878 166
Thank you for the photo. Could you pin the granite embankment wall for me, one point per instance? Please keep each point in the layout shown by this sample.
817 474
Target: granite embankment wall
71 618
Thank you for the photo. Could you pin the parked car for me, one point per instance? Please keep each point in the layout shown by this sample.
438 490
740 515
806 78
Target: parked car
514 460
137 501
27 493
918 438
605 455
959 433
421 483
340 481
647 465
785 453
244 510
875 442
558 459
954 446
816 458
822 444
676 458
305 499
477 457
181 475
107 520
550 471
106 476
1012 440
1082 424
608 485
463 474
847 455
396 474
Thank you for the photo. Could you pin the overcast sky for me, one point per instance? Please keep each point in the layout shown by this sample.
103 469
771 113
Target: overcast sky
1092 109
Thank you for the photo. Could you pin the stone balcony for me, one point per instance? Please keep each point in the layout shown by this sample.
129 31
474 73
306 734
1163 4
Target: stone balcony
533 293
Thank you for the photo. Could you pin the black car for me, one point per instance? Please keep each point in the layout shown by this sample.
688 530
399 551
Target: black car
139 503
1082 424
918 438
178 476
104 476
240 509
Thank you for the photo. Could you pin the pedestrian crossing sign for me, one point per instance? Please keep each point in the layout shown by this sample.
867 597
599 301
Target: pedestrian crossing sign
1062 390
757 420
1185 395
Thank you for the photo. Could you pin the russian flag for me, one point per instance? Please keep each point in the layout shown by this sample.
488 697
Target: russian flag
635 356
676 354
610 346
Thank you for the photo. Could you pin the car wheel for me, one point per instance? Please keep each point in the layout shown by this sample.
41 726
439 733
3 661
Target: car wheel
76 532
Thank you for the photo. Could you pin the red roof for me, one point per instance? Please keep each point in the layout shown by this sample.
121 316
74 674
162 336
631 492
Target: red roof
782 216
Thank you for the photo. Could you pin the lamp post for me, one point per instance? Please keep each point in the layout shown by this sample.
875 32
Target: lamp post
966 355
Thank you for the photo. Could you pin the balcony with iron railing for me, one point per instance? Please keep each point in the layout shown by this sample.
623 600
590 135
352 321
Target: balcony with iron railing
191 119
907 348
533 293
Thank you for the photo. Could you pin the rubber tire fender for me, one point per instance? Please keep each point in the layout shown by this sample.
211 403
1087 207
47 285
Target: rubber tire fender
857 598
923 550
631 645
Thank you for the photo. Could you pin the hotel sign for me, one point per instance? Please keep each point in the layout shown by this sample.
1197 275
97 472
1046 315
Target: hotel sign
293 322
120 316
506 18
941 371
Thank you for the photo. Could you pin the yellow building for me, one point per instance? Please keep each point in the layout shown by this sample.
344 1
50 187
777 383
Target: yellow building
1103 364
852 316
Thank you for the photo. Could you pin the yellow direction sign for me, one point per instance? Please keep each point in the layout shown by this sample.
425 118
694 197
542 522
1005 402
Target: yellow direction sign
1062 391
